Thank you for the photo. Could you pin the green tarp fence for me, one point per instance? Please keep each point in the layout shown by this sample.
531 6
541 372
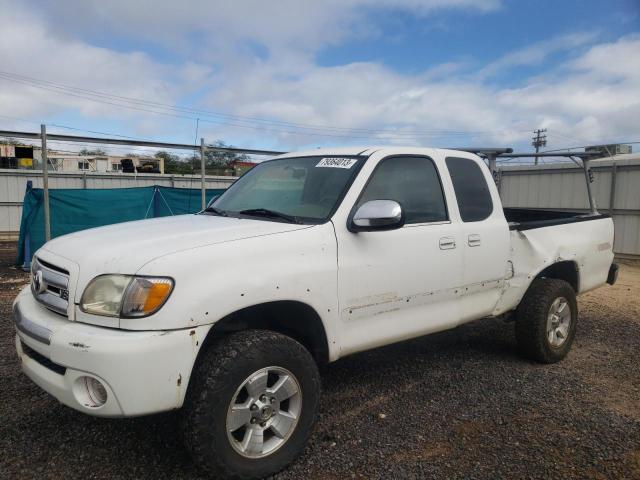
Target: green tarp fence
78 209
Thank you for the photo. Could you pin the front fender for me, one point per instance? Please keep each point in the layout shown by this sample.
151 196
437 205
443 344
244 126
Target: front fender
214 281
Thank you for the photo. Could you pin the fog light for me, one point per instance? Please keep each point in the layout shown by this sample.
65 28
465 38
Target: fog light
96 393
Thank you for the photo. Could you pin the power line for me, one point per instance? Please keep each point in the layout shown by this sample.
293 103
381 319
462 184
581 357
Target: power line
33 81
633 142
573 139
223 119
563 149
117 150
141 143
375 133
111 134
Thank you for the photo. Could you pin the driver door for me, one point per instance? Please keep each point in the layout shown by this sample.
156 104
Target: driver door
402 283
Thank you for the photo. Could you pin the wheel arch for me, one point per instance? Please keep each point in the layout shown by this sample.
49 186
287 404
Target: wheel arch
566 270
295 319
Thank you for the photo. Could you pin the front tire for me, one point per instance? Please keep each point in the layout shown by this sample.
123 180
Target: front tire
251 404
546 320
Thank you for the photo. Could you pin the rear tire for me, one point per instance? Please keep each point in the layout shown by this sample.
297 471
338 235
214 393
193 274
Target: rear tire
546 320
236 421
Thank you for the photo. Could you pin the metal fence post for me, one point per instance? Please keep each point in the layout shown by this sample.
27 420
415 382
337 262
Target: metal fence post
588 176
492 164
202 173
26 245
156 201
45 182
612 193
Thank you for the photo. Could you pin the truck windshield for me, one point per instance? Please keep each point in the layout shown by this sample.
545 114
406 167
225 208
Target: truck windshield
297 190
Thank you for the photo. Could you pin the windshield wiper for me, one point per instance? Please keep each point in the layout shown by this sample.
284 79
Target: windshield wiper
217 211
265 212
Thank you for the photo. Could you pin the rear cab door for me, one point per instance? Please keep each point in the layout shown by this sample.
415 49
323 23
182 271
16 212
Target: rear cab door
485 241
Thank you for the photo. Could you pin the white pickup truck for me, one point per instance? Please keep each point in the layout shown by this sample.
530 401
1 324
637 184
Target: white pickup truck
308 257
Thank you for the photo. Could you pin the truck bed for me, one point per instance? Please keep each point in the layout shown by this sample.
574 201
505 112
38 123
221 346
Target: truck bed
528 218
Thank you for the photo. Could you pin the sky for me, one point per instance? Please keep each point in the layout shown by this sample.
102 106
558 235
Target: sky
289 74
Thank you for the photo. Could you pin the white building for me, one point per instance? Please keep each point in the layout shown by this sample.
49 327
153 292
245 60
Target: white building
29 157
64 162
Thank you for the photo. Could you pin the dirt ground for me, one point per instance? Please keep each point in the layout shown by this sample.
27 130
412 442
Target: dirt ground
459 404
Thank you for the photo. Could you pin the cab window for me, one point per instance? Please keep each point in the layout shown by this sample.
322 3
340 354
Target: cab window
414 183
472 191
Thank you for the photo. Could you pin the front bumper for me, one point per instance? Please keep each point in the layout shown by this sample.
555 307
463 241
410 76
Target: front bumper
142 372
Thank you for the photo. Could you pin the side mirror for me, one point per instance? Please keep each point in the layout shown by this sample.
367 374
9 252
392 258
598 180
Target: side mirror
377 215
212 200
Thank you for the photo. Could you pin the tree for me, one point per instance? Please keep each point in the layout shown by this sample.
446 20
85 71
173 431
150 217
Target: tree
96 151
215 161
173 164
218 159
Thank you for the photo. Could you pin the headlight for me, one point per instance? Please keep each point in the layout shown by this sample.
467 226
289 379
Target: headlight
103 295
125 295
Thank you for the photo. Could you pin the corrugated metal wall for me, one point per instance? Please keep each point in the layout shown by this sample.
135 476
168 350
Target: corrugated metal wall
563 186
543 186
14 182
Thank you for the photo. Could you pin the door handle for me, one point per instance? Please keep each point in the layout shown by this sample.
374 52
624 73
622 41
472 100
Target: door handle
473 240
447 243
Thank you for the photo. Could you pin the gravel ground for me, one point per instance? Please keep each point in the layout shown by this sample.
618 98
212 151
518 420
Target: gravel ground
460 404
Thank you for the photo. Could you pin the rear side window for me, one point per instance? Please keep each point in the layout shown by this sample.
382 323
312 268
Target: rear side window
414 183
472 191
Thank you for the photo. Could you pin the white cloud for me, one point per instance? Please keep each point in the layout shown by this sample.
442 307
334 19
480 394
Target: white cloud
585 99
538 52
282 26
30 49
594 96
619 59
597 96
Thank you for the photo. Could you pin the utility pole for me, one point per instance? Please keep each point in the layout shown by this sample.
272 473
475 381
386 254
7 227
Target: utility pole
540 140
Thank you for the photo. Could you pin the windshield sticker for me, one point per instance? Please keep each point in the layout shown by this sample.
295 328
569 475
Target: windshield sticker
337 162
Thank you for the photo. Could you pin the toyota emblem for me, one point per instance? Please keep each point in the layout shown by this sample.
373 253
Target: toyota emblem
38 282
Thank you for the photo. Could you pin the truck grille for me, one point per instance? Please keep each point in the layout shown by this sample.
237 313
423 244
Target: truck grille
50 286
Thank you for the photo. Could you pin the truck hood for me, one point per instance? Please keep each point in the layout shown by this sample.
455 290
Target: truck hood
126 247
